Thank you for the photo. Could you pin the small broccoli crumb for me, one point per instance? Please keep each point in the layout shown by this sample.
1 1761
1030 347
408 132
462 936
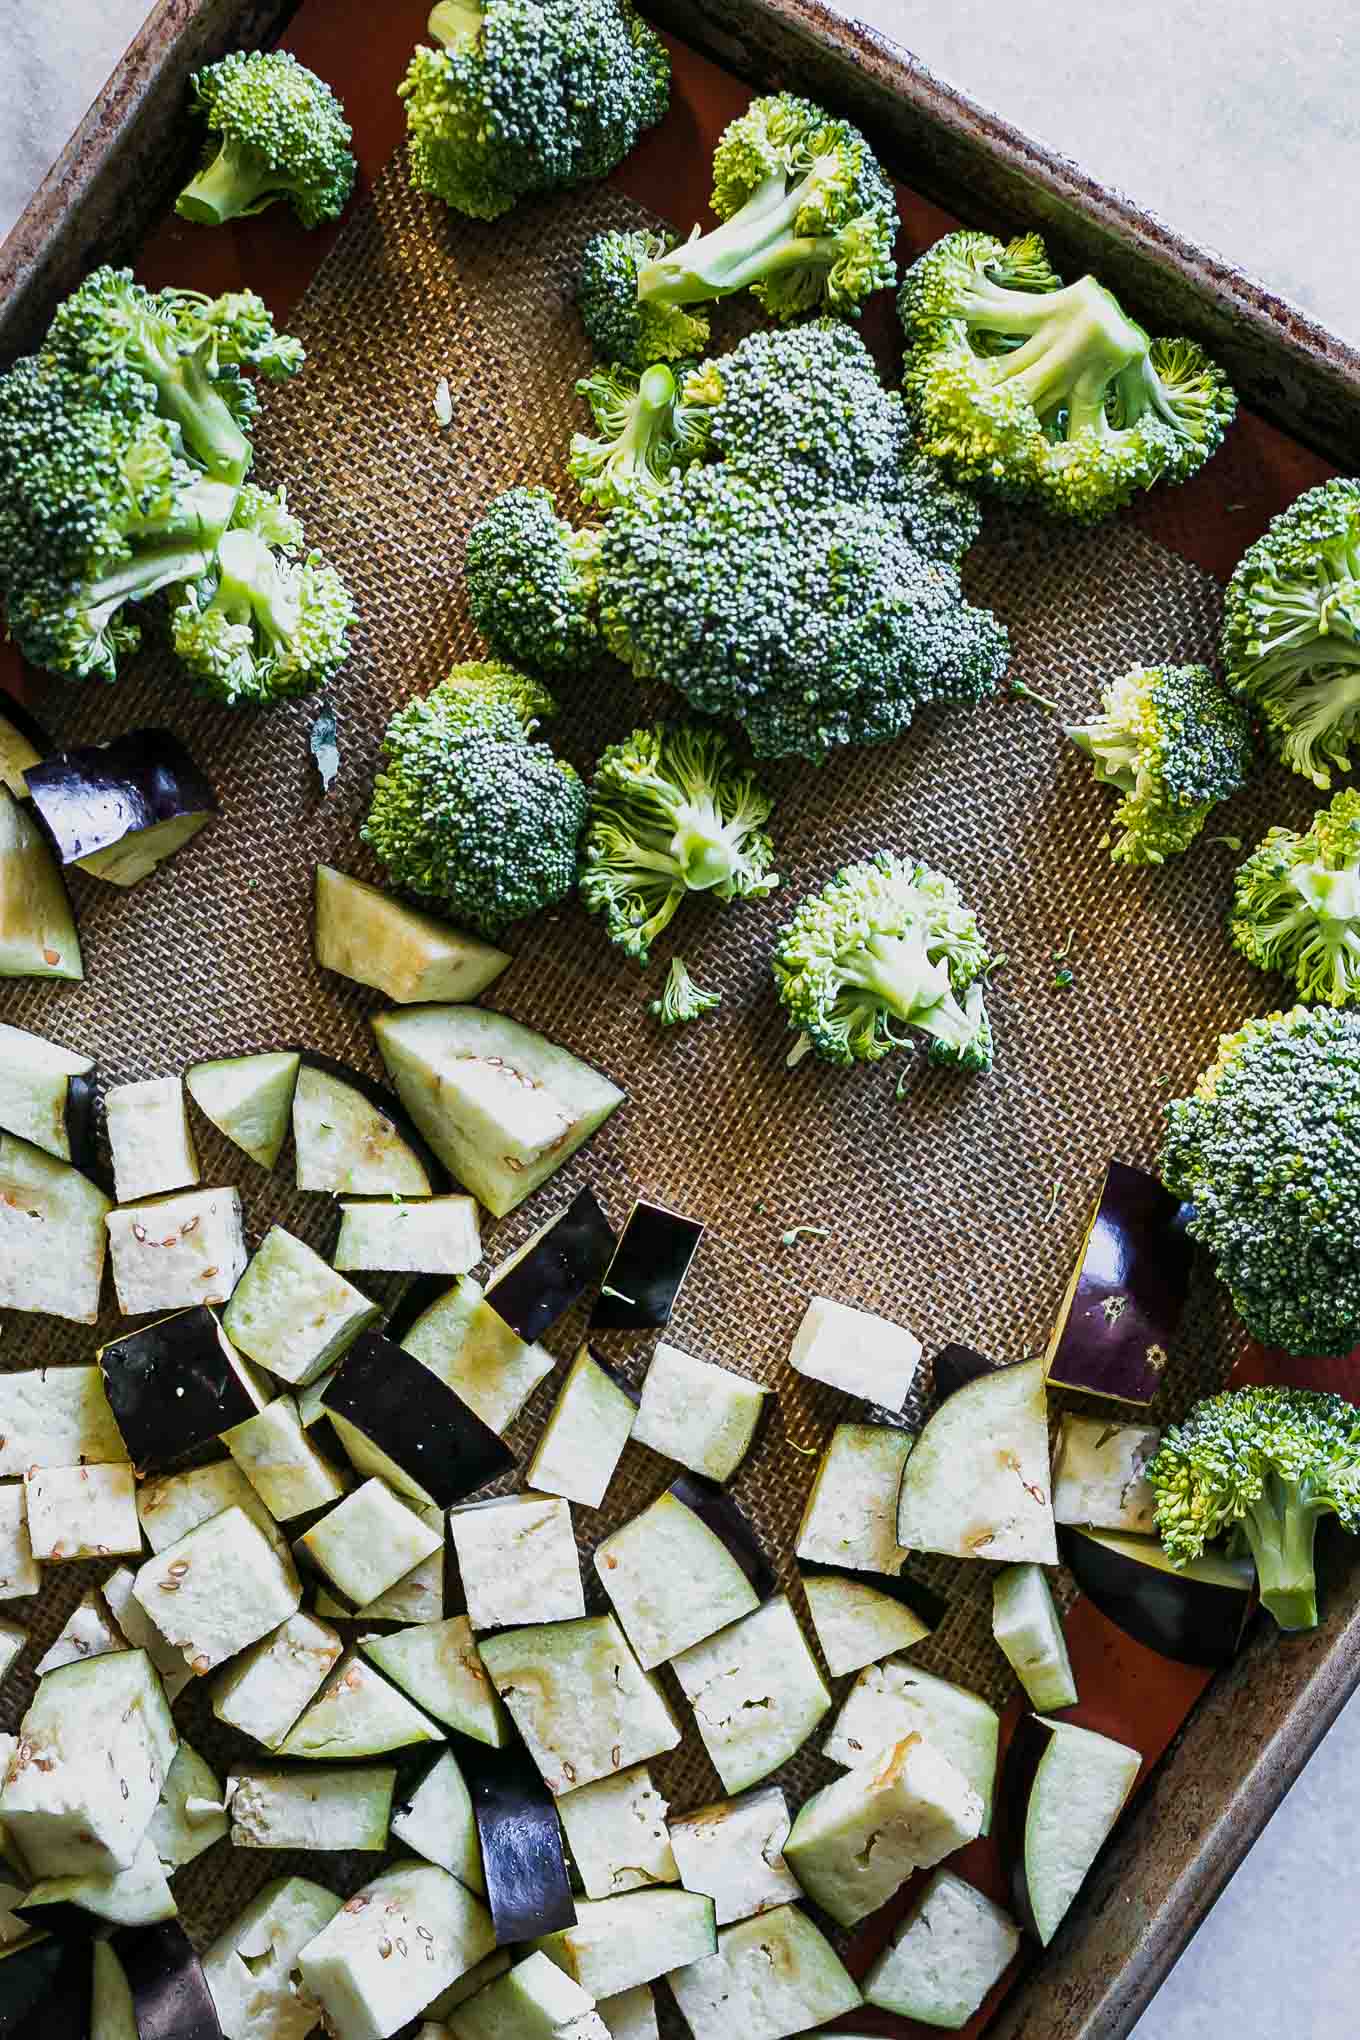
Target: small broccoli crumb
798 1232
681 999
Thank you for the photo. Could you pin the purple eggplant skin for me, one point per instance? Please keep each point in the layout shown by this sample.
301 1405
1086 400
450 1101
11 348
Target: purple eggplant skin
64 1921
79 1118
171 1386
925 1604
170 1995
1131 1287
720 1513
416 1419
45 1991
384 1101
87 800
571 1256
527 1884
956 1366
644 1279
1023 1756
1193 1621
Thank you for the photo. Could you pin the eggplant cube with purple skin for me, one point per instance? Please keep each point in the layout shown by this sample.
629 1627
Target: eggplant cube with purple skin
977 1482
541 1280
37 928
118 810
439 1665
1063 1791
857 1352
292 1313
473 1351
1123 1305
175 1384
47 1095
366 1543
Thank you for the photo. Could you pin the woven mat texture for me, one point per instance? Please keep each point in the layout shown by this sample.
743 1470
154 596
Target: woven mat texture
956 1209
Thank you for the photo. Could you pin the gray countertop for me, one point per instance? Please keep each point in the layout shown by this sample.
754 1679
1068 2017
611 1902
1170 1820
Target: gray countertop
1240 128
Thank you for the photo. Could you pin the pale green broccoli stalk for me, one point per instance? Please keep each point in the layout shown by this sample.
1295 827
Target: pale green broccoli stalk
1291 630
885 946
1267 1150
808 218
275 132
681 999
671 812
1047 393
646 431
1262 1466
618 325
1296 904
1173 744
525 96
531 584
467 810
262 625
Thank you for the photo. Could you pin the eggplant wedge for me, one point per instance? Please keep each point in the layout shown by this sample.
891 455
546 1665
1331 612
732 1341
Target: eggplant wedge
556 1265
362 933
353 1139
47 1096
119 810
976 1484
523 1864
1196 1615
643 1281
170 1994
37 928
23 744
249 1098
398 1420
1123 1305
1062 1790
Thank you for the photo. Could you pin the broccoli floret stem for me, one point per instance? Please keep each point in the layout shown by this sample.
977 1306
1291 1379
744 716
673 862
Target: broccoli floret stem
899 974
249 588
186 394
234 184
453 21
758 241
1280 1529
1078 341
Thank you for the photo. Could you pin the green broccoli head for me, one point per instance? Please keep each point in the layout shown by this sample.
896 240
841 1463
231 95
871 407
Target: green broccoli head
808 218
1046 393
1267 1150
671 812
1173 744
645 428
885 946
811 625
262 625
618 325
1291 630
122 451
524 96
1296 904
681 999
468 810
275 132
1263 1466
532 583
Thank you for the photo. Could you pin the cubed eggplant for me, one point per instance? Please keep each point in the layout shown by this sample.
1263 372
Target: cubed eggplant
47 1096
118 810
175 1384
365 934
408 1426
1062 1790
583 1439
715 1506
471 1348
643 1280
756 1693
976 1483
45 1991
170 1993
861 1617
53 1234
555 1266
704 1416
677 1573
1196 1615
353 1138
81 1907
1123 1305
249 1098
523 1864
37 928
23 744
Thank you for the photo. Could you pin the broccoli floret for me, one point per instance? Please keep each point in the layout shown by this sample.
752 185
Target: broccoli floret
671 812
122 450
681 999
524 96
1267 1151
1174 745
531 584
261 624
468 810
808 218
275 131
646 429
619 327
1296 904
887 944
1291 630
812 626
1049 393
1263 1466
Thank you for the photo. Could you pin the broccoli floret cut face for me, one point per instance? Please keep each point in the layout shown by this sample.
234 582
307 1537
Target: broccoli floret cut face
672 811
1045 393
1296 904
1267 1150
532 583
808 218
885 946
275 131
468 810
525 96
1173 744
812 626
262 625
681 999
1263 1465
644 428
1291 630
618 325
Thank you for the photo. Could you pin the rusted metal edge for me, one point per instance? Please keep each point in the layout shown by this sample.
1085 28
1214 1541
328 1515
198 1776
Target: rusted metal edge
110 181
979 166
